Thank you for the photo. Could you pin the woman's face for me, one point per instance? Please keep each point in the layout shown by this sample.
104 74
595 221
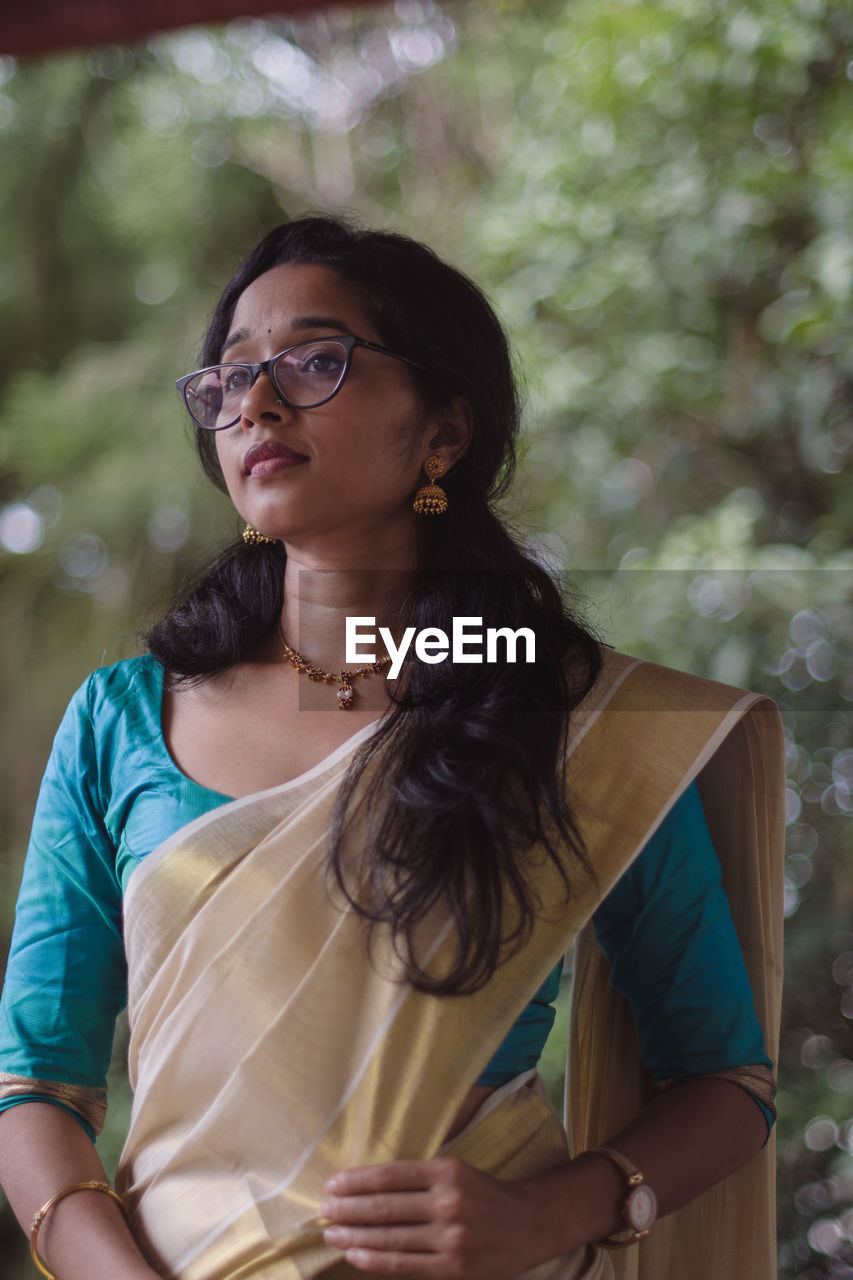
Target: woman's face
342 474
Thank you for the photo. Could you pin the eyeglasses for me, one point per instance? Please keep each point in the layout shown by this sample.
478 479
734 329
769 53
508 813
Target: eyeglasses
304 376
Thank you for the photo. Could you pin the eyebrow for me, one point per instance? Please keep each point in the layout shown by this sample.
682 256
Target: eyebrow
300 322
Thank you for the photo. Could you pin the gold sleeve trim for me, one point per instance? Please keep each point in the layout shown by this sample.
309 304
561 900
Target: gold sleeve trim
757 1079
89 1103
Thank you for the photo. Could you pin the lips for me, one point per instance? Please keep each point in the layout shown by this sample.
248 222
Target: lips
268 456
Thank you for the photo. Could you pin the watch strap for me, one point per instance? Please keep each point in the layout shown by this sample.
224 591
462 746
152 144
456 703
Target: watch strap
634 1178
630 1170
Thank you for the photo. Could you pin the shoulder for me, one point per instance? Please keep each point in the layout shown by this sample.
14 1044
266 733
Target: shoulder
131 675
648 684
109 690
125 695
645 732
652 694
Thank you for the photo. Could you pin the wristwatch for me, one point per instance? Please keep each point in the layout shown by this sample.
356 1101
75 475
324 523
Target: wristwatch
640 1206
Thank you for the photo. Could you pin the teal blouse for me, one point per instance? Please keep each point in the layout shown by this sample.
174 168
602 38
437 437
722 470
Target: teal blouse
111 794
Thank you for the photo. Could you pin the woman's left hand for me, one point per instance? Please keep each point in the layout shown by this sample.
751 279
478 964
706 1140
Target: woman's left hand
434 1220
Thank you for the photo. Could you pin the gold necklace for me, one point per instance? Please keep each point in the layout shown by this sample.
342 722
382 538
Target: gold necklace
345 692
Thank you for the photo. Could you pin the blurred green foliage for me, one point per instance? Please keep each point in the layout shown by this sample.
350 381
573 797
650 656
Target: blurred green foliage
657 196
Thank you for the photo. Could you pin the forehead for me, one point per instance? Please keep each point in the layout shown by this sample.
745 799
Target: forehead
285 295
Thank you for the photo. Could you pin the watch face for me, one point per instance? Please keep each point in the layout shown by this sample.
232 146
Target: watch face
641 1208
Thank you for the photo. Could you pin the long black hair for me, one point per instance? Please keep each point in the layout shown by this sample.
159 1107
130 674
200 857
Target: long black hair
468 777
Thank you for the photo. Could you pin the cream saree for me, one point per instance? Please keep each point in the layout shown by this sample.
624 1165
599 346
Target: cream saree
268 1051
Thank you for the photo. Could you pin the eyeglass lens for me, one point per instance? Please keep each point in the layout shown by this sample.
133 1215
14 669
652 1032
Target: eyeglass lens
306 375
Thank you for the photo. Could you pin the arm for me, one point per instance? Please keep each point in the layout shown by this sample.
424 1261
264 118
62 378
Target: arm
64 986
84 1237
443 1220
666 930
684 1141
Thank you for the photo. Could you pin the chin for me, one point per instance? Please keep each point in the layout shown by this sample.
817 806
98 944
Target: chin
278 524
288 531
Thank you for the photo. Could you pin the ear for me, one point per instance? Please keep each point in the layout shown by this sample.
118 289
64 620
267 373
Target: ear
451 430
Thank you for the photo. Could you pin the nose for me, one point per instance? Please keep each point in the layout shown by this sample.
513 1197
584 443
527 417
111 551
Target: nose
260 401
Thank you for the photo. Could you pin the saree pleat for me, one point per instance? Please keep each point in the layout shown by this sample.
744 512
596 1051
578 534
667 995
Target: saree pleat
269 1048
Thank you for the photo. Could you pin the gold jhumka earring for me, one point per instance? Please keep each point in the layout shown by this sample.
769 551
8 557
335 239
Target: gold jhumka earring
254 538
431 500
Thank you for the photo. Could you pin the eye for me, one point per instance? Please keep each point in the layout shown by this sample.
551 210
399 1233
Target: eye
235 379
321 361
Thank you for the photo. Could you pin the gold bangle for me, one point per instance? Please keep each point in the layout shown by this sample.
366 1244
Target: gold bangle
39 1218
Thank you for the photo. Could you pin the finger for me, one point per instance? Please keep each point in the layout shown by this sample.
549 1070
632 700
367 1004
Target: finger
400 1206
395 1175
412 1266
397 1239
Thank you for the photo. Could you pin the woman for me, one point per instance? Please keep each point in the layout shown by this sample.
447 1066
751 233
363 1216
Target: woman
342 930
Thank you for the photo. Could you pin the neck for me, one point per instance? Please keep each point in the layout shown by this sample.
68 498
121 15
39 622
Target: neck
318 602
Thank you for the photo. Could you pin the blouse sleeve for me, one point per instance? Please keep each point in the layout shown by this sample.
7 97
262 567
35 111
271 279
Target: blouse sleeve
66 980
667 932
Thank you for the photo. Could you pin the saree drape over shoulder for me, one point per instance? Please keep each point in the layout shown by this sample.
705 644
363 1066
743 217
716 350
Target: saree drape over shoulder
269 1049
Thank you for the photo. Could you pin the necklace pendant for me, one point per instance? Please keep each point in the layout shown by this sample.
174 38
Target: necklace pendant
345 693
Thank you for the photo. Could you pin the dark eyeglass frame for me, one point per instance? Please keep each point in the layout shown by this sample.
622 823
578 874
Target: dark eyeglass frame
347 340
